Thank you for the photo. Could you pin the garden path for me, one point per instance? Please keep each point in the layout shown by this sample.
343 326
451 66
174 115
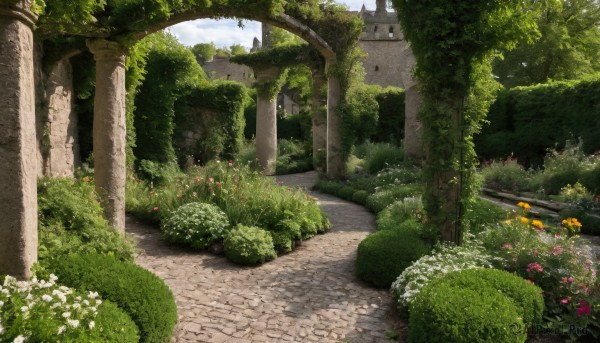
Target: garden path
309 295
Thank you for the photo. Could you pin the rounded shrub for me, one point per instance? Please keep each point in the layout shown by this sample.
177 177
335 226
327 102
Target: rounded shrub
249 245
196 224
283 242
384 255
527 297
329 187
444 313
141 294
114 325
346 192
360 197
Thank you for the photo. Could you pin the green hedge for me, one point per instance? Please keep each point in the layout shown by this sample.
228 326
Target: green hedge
475 305
384 255
390 126
144 296
526 121
249 245
223 133
114 325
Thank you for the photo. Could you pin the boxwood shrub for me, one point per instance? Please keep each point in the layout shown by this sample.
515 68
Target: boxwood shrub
249 245
141 294
360 197
444 313
196 224
384 255
346 192
114 325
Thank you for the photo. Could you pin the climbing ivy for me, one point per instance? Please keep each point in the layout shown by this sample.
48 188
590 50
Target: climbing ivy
453 42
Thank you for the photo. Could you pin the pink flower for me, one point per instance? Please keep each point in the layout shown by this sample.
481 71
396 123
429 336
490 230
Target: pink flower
534 267
87 179
230 163
198 179
565 300
570 280
210 180
584 308
155 209
557 250
567 280
507 246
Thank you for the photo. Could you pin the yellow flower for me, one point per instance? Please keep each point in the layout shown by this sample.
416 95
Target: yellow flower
508 222
537 223
524 220
524 205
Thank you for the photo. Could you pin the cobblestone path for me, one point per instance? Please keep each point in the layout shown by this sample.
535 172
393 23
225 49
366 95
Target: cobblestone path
309 295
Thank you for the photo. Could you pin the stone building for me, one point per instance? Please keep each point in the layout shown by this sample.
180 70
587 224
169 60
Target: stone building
384 43
221 68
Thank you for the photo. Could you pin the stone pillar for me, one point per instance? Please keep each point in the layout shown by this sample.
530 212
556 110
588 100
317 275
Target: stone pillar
109 129
266 117
18 149
335 161
413 135
319 120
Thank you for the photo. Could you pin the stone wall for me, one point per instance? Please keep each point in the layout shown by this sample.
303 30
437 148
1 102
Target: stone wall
385 62
222 68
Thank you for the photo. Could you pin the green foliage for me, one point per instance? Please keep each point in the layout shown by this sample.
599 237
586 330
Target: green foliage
359 115
170 68
527 121
217 111
506 175
398 212
71 221
249 245
328 186
453 42
384 255
390 125
293 157
385 196
382 156
443 312
144 296
157 173
481 214
360 197
443 260
206 51
296 126
196 224
115 325
527 297
568 46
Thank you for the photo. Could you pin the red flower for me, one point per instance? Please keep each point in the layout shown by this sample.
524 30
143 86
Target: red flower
86 179
210 180
584 308
155 209
230 163
534 267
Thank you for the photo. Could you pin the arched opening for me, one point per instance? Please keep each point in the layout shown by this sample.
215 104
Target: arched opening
375 28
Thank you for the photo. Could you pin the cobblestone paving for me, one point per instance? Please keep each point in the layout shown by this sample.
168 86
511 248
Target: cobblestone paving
309 295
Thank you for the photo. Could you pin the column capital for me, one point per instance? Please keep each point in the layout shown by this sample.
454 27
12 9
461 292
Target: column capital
105 50
266 74
19 9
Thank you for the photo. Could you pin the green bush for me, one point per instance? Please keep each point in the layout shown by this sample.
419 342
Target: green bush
481 213
398 212
444 313
114 325
359 116
295 126
327 186
283 242
144 296
360 197
390 126
378 201
527 297
157 173
249 245
506 175
71 221
196 224
383 156
346 192
384 255
293 156
527 121
591 179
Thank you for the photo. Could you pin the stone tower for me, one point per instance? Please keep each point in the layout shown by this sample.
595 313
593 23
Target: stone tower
381 7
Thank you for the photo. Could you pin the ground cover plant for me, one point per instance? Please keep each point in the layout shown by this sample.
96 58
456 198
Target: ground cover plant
243 195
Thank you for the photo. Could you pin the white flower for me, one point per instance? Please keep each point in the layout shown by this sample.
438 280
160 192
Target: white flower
53 277
92 325
92 295
73 323
19 339
1 303
24 309
1 329
66 314
47 298
61 329
86 302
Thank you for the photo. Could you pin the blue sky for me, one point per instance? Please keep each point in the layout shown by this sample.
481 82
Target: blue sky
226 32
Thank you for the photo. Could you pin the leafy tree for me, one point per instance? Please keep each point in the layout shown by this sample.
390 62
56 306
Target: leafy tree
205 50
568 46
237 49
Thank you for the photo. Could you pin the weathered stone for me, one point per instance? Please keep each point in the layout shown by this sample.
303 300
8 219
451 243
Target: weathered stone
335 161
266 121
413 141
18 155
109 129
319 120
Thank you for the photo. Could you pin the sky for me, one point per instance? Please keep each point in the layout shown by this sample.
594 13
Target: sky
226 32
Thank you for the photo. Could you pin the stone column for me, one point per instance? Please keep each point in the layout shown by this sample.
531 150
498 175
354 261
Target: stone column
319 120
335 160
266 117
109 129
413 140
18 150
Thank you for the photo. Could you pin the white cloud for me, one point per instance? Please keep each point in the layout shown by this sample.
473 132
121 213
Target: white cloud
225 32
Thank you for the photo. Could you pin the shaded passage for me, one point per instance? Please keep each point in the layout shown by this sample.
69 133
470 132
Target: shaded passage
309 295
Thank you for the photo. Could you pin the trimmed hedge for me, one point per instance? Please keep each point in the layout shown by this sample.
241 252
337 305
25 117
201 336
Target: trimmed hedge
144 296
384 255
249 245
475 305
442 313
390 126
114 325
526 121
